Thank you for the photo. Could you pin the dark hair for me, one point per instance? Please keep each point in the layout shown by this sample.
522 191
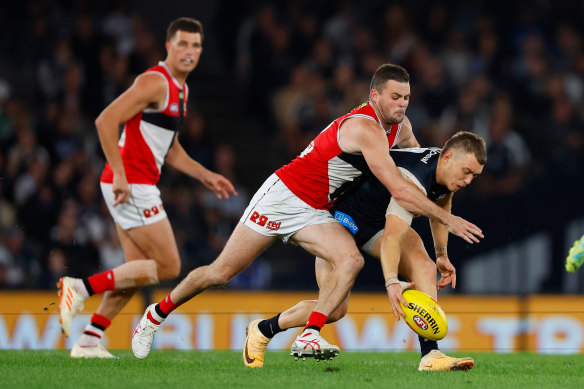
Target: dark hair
386 72
470 143
183 24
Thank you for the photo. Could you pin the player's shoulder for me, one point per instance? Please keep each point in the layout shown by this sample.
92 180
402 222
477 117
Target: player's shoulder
416 159
150 84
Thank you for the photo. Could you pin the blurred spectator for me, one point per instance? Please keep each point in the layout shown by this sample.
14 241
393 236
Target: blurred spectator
507 154
513 75
81 258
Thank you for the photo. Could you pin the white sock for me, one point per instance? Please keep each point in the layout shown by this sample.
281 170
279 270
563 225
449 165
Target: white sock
80 287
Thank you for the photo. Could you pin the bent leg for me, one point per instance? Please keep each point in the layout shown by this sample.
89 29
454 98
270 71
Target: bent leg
297 316
416 265
244 245
154 241
332 242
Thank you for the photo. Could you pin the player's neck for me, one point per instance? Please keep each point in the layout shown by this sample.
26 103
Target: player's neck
384 123
439 169
181 77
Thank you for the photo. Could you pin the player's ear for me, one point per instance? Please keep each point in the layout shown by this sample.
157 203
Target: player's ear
373 95
447 156
167 45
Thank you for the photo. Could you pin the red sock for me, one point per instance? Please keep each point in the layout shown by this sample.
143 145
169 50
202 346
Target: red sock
96 327
101 282
166 306
316 320
100 320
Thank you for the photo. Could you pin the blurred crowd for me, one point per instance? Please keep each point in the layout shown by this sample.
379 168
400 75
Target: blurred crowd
513 75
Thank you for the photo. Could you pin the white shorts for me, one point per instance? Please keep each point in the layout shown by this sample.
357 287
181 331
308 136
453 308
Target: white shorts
368 246
275 211
142 208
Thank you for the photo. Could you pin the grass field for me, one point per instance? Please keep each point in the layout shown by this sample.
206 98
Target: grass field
224 369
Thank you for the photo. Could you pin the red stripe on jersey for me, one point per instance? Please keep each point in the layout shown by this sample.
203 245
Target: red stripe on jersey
139 161
315 174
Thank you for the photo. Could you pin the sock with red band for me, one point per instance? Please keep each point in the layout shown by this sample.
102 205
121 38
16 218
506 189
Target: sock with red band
160 311
164 307
93 332
316 320
99 283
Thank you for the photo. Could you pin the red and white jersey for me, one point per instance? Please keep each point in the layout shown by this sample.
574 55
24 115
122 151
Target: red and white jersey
148 136
323 171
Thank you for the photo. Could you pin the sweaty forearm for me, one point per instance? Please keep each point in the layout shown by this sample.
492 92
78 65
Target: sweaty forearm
179 159
390 256
409 197
440 237
108 137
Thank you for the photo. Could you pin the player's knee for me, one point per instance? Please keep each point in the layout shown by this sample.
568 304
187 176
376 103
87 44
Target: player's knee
353 263
428 270
148 271
169 270
217 276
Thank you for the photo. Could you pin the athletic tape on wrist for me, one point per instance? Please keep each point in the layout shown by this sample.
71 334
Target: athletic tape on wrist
391 281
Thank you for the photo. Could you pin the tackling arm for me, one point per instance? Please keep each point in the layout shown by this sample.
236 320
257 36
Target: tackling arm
365 136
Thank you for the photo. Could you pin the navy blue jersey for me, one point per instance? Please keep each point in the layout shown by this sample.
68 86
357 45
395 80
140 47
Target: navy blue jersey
362 209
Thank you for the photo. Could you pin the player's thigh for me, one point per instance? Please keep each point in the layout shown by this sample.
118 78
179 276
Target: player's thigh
329 241
242 248
156 241
414 259
131 250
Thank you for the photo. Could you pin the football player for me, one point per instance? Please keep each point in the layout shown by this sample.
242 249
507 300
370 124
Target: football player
381 227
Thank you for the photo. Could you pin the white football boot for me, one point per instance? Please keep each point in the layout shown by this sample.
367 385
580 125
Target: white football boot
143 335
70 303
97 351
310 344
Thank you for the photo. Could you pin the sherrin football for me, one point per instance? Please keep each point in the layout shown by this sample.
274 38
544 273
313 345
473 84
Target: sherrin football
424 315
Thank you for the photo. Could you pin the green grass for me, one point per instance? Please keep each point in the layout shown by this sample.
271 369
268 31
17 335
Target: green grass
224 369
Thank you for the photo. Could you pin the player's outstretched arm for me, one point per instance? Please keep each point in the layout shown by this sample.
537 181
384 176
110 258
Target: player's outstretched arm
395 229
179 159
147 90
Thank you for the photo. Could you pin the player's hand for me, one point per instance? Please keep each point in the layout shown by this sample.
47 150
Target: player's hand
394 291
447 272
219 184
121 189
464 229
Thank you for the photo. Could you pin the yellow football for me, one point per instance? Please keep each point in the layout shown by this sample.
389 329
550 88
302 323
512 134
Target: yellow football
424 315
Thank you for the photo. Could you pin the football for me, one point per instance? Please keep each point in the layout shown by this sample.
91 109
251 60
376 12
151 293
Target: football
424 315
